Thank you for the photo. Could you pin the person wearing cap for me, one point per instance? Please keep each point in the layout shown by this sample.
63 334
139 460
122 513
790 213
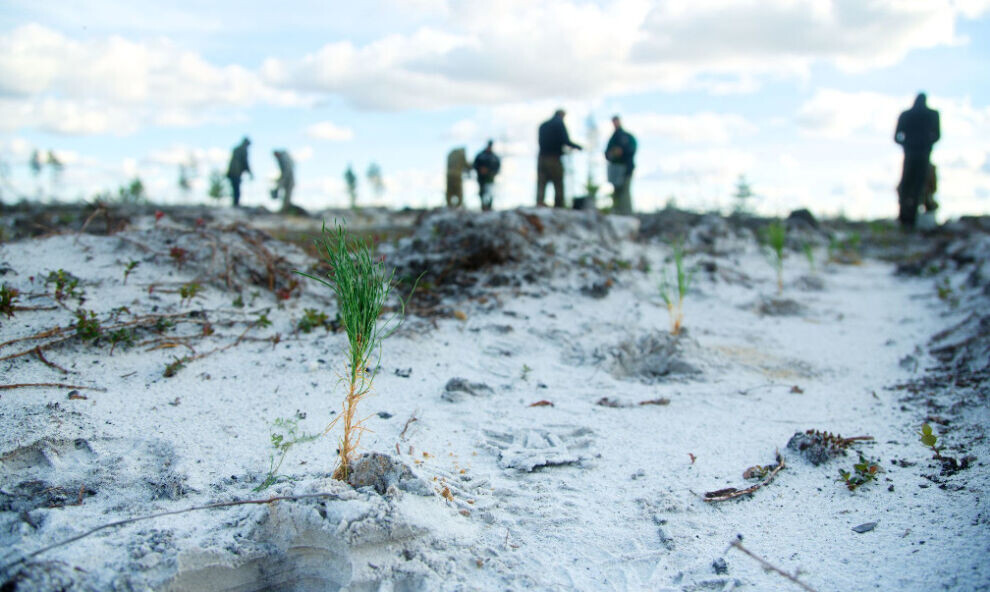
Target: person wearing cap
237 167
620 152
486 166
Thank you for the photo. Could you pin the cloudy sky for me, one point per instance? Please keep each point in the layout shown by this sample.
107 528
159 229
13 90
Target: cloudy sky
800 96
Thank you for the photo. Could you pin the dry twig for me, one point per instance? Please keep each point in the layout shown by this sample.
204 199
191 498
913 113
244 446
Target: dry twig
5 387
731 492
771 567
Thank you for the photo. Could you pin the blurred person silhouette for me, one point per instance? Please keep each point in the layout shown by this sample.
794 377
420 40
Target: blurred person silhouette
351 180
620 152
286 181
457 166
237 167
486 166
917 131
553 138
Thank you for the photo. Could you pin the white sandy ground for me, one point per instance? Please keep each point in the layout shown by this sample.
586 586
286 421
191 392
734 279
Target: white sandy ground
625 511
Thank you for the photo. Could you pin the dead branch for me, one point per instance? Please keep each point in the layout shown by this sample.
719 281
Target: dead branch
731 492
41 356
4 387
67 541
411 420
770 567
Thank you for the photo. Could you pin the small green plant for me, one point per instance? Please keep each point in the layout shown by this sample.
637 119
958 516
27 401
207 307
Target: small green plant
775 235
174 366
128 268
123 336
945 291
929 439
673 295
263 321
162 324
87 325
179 256
312 319
189 291
863 472
285 436
66 285
525 372
361 286
809 254
8 296
238 302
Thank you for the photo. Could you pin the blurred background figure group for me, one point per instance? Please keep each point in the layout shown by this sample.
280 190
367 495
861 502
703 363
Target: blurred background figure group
553 138
917 131
620 153
486 166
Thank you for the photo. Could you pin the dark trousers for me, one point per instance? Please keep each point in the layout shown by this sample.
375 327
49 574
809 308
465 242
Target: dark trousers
235 190
914 175
550 169
485 193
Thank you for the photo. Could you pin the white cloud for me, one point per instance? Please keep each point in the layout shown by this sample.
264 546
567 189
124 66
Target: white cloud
327 130
114 85
519 50
838 114
703 128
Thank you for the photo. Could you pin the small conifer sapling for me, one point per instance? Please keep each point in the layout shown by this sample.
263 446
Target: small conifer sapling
361 285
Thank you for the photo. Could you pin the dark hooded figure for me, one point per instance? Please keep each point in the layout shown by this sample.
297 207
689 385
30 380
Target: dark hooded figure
553 138
237 167
486 166
917 130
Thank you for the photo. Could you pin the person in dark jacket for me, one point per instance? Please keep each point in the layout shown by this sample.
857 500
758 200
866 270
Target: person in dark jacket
237 167
553 138
917 131
486 166
620 153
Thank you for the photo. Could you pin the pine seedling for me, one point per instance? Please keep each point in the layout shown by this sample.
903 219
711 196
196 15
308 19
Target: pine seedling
776 238
675 300
361 285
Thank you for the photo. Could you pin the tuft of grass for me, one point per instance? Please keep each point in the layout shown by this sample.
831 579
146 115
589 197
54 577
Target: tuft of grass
66 285
775 235
809 254
8 296
312 319
361 286
123 336
189 291
87 325
673 293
